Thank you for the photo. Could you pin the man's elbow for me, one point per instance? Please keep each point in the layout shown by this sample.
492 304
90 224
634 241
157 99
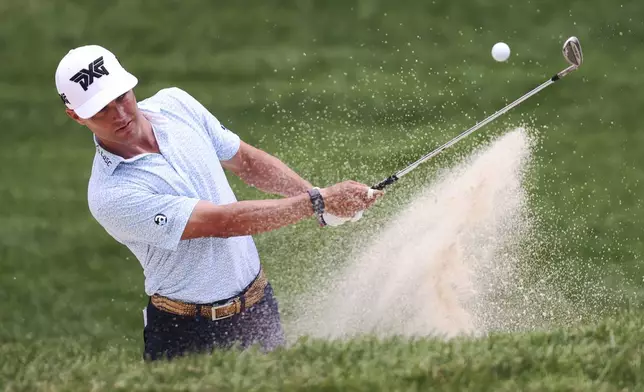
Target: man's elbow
240 163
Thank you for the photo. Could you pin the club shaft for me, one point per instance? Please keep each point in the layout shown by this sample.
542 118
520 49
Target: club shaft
472 129
491 118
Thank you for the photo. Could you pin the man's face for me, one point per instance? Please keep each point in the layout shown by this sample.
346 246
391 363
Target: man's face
115 121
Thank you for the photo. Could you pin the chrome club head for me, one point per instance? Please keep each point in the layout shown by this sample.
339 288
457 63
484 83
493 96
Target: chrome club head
572 51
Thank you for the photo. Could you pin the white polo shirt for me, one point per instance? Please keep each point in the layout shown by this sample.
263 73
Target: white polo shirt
145 202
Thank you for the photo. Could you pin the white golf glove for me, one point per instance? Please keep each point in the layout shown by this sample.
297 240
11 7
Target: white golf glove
332 220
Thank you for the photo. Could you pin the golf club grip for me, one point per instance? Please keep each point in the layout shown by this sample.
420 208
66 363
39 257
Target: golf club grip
384 183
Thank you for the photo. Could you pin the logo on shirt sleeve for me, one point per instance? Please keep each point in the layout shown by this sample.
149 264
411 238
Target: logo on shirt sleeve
160 219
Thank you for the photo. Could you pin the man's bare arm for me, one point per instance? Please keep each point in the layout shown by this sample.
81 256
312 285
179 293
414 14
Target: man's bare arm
265 172
246 217
258 216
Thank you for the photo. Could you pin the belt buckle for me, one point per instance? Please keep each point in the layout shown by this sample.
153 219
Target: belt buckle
213 311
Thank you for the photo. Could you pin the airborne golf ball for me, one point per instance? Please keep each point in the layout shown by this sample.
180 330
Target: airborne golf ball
500 51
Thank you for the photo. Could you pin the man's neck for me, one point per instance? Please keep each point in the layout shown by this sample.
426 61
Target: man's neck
142 141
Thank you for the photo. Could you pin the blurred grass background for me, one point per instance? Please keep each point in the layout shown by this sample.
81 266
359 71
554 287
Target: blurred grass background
338 90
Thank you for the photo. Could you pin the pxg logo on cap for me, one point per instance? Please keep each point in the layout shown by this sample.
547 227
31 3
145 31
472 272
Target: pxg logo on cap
95 69
90 77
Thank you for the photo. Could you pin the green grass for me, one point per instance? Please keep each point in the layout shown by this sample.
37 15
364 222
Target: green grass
605 357
338 90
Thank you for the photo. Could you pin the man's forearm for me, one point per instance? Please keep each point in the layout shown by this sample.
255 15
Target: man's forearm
271 175
246 217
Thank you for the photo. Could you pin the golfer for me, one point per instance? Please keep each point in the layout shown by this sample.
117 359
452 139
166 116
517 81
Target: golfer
158 186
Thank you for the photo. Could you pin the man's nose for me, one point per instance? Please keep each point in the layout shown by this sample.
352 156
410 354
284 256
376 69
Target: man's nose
118 110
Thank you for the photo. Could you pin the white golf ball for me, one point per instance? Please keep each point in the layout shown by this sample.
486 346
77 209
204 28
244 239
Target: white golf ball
500 51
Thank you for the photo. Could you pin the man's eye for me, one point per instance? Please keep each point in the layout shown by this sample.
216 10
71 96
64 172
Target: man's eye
120 98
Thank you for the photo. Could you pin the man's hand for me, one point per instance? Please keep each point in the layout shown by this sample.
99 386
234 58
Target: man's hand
347 198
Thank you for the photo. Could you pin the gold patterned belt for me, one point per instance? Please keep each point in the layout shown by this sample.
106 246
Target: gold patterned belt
252 295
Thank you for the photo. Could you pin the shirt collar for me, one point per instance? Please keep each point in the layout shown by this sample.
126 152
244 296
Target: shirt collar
107 161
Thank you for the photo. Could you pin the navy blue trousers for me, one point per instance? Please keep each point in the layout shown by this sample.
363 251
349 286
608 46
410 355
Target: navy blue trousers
167 335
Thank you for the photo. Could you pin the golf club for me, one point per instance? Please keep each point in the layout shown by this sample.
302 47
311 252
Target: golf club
573 55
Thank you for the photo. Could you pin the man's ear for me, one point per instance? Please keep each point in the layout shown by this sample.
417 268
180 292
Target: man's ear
72 114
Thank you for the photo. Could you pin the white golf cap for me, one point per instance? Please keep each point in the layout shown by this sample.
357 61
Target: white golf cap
90 77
